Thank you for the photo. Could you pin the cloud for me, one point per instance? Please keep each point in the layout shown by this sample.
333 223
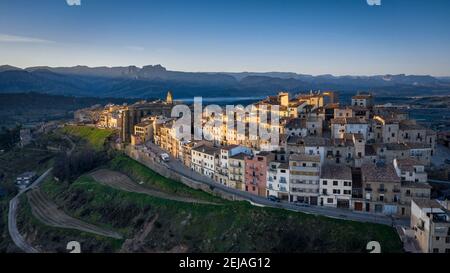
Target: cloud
6 38
73 2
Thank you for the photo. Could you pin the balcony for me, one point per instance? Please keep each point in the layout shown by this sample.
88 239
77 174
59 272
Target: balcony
396 190
368 189
380 190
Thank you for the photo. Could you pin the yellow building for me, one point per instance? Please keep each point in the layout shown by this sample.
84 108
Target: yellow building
143 132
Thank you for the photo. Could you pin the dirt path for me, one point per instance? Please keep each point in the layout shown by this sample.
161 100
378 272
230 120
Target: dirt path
47 212
120 181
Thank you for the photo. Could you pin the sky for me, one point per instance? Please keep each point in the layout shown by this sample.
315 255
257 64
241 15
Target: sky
340 37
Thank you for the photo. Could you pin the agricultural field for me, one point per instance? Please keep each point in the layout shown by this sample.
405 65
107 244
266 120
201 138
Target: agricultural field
93 136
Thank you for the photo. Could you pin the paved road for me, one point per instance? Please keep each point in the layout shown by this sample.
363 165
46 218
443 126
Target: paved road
178 167
18 240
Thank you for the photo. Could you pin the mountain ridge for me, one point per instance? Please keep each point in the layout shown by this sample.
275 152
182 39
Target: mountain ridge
155 80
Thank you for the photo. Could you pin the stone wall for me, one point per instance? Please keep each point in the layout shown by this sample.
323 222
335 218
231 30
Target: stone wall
152 162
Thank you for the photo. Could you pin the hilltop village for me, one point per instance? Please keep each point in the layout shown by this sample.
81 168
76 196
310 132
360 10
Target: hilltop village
356 156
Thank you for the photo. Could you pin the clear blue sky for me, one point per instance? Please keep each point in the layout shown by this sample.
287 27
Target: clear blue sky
341 37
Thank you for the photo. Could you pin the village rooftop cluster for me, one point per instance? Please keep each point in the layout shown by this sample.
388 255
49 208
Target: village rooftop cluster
358 156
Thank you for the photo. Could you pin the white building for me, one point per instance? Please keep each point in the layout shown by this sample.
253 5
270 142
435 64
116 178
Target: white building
314 126
338 127
343 112
357 126
410 169
203 160
335 186
278 180
430 222
316 146
223 162
362 100
296 127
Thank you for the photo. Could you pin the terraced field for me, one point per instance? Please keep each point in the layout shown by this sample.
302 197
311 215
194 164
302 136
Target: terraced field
122 182
47 212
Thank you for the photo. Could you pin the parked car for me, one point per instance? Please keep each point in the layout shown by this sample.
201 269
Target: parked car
273 198
165 157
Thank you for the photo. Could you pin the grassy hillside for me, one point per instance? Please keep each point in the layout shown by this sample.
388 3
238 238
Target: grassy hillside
151 179
94 136
232 227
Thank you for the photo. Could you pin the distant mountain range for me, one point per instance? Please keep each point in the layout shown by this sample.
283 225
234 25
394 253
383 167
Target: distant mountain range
154 81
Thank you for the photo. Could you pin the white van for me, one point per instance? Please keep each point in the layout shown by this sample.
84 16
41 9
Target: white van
165 157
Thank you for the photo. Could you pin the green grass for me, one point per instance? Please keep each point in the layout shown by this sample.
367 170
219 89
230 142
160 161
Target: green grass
52 239
140 173
94 136
233 227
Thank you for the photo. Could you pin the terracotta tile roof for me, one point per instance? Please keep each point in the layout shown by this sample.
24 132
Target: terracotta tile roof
427 203
332 171
304 157
206 149
379 172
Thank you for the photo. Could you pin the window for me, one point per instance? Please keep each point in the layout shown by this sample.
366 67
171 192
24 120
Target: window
435 250
335 183
324 191
325 182
437 238
330 200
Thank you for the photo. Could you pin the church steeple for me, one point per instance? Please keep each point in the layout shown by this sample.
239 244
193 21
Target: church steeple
169 98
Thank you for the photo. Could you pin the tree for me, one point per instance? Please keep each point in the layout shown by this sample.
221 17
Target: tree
70 167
